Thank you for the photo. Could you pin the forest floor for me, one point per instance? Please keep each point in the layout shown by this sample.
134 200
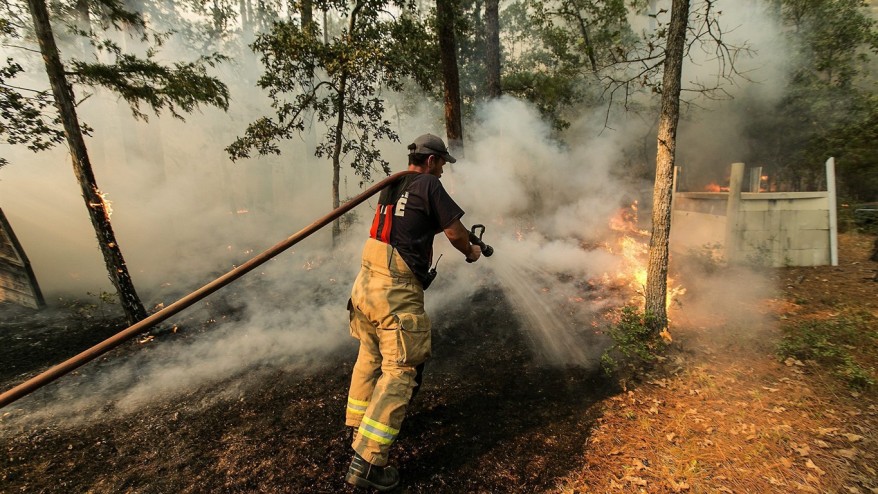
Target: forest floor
782 403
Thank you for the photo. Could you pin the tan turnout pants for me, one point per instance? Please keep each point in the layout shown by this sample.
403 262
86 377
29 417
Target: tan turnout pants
388 318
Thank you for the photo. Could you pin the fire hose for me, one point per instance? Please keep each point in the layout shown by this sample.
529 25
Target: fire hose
92 353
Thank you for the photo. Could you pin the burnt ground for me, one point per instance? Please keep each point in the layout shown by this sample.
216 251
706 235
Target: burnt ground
722 412
489 418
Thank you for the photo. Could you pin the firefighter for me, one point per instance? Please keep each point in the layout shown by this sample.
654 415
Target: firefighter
387 307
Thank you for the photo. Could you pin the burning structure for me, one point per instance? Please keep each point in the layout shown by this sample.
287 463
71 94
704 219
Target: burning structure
765 228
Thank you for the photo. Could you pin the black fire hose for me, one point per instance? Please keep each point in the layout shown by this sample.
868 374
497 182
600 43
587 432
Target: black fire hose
72 363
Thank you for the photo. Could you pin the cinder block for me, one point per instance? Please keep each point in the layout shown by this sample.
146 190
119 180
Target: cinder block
750 204
813 220
752 220
809 204
756 239
789 219
812 239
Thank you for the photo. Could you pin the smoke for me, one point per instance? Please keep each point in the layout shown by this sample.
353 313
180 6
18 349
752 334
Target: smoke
184 214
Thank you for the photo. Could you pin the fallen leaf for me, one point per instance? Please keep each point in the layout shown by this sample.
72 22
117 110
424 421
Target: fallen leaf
615 485
635 480
853 437
774 481
827 431
853 490
850 454
670 437
822 444
810 464
786 462
806 488
803 450
682 486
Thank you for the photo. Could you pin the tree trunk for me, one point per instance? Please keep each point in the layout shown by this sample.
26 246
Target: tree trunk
657 270
307 14
336 155
492 48
445 11
97 208
339 129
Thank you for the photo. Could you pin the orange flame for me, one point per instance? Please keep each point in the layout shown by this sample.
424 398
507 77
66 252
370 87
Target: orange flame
715 187
106 203
633 246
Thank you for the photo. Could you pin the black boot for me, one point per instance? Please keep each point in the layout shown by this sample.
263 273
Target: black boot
364 474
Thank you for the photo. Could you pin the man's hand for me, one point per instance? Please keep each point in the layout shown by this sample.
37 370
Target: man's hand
475 252
459 237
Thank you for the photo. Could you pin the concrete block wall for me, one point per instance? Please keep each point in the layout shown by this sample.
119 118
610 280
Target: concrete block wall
784 229
770 229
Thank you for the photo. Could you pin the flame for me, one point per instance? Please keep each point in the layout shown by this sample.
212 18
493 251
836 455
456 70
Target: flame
715 187
105 203
633 247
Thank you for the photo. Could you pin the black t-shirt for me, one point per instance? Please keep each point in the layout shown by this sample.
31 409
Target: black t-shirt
423 210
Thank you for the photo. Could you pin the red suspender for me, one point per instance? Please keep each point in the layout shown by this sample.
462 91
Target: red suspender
382 222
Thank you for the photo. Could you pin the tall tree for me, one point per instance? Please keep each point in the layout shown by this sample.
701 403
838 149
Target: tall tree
446 10
94 201
657 268
492 47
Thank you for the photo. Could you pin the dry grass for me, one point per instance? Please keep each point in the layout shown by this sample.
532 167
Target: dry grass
724 414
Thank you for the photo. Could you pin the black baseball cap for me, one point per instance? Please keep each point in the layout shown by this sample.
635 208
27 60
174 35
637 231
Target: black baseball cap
430 144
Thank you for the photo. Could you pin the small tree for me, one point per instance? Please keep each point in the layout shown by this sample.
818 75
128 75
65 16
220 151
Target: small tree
340 82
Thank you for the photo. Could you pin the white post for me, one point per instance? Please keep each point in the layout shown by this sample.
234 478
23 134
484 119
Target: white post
733 209
756 179
833 214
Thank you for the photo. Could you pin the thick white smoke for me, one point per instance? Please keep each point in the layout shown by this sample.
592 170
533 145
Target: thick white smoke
184 213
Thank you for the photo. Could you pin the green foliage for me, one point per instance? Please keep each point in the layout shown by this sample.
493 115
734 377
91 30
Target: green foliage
843 345
342 79
22 118
28 117
830 108
179 87
554 50
635 342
